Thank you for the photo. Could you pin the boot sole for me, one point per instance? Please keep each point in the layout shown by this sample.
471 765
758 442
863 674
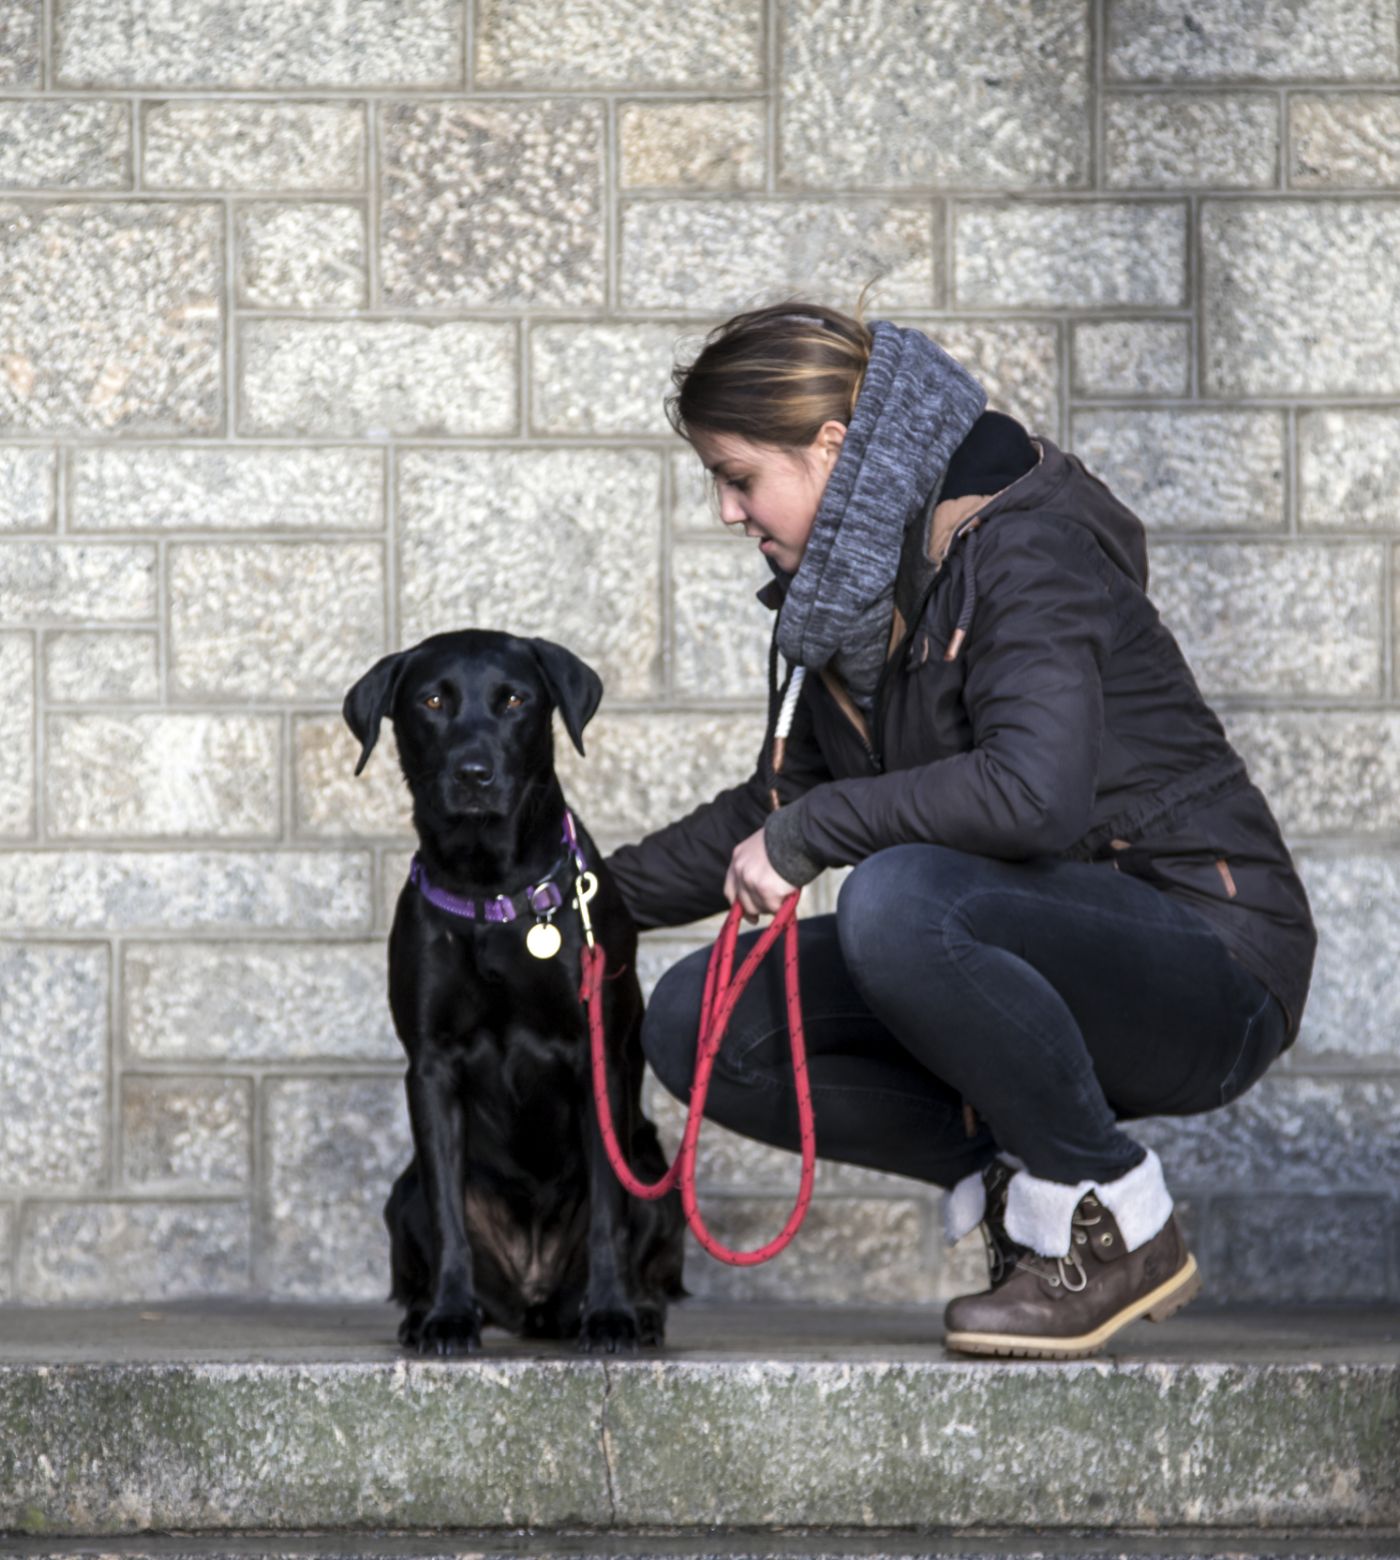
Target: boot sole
1160 1303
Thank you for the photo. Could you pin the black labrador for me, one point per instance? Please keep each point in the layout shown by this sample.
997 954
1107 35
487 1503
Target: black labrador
509 1212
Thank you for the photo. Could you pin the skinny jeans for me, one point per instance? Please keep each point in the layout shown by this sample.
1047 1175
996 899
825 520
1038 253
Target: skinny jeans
1055 998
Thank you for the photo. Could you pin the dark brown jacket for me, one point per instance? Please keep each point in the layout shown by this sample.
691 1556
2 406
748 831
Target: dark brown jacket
1063 722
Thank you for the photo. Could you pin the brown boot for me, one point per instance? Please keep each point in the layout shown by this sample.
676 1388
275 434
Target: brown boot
1002 1251
1065 1307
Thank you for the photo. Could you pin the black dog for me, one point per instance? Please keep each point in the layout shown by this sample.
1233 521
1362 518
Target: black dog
509 1212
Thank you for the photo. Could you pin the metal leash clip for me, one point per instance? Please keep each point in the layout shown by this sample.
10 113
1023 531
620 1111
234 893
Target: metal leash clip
584 890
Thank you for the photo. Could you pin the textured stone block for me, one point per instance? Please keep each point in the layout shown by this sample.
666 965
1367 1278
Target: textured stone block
1348 469
331 799
226 489
1085 255
109 891
115 322
7 1227
1349 138
914 109
275 1442
163 776
17 734
26 489
1189 470
60 582
333 1148
1287 1249
493 203
721 631
694 502
603 378
1131 357
1016 361
1174 40
851 1250
1294 301
465 516
393 879
1259 617
114 1251
278 620
1286 1133
258 1002
200 43
378 377
643 771
536 43
78 144
722 254
1324 771
697 146
308 256
1172 139
1353 1011
253 146
186 1130
53 1065
106 666
21 43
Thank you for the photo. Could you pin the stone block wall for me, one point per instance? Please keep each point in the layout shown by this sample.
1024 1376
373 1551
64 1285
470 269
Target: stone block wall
351 324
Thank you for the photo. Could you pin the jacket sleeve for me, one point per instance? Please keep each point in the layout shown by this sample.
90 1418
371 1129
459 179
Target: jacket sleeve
1034 697
676 874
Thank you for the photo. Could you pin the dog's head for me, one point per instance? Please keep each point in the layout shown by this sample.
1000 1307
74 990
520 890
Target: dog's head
472 715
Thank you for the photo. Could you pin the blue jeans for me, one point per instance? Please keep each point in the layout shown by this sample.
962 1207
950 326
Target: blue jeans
1056 998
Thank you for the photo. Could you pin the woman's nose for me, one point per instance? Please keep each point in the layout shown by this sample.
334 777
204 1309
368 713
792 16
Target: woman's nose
730 509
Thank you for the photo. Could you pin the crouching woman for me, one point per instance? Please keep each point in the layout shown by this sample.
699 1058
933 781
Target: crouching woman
1070 906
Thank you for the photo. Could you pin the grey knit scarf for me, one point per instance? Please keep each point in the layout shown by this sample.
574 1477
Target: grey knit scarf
916 405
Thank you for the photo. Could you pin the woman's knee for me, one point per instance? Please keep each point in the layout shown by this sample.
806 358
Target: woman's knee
891 894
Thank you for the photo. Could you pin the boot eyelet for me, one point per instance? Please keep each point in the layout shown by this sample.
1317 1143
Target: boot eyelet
1080 1237
1054 1283
1105 1240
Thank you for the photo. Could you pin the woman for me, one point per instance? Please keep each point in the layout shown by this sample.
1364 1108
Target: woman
1069 907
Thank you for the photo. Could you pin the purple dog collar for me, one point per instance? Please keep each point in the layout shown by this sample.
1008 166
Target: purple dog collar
540 899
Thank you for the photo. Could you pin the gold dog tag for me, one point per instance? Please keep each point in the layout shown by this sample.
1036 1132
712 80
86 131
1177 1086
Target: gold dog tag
543 940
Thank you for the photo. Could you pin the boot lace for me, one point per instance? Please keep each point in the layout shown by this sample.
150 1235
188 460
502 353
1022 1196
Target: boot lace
1069 1270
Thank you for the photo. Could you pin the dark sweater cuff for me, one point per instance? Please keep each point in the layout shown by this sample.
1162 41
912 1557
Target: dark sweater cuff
786 847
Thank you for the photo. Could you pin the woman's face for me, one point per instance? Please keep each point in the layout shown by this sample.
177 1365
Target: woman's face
772 493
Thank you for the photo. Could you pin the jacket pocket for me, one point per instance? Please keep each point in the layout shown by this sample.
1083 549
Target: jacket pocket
1201 871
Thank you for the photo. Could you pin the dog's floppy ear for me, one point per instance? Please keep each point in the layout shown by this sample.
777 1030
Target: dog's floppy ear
371 699
573 685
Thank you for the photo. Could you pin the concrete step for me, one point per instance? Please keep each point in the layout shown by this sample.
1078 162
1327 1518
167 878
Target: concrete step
221 1417
1212 1545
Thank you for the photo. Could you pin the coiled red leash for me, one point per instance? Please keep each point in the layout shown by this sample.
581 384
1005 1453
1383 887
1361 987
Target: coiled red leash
721 995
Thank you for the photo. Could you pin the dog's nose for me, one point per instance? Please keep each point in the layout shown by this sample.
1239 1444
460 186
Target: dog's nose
475 771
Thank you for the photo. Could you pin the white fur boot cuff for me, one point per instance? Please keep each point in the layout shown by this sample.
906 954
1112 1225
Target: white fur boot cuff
963 1207
1038 1212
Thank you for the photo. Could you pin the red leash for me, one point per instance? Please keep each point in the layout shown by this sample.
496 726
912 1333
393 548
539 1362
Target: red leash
721 995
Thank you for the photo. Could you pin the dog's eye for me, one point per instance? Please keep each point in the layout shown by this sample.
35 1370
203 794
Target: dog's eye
514 700
433 701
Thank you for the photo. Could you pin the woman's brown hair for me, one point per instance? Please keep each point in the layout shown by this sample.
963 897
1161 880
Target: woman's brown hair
774 375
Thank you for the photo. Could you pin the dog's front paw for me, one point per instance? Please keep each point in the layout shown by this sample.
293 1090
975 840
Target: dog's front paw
449 1332
609 1330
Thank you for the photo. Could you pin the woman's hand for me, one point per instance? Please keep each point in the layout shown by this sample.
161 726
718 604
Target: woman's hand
753 880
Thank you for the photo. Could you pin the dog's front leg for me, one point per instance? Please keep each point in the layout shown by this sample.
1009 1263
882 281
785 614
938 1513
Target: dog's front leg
453 1322
609 1316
